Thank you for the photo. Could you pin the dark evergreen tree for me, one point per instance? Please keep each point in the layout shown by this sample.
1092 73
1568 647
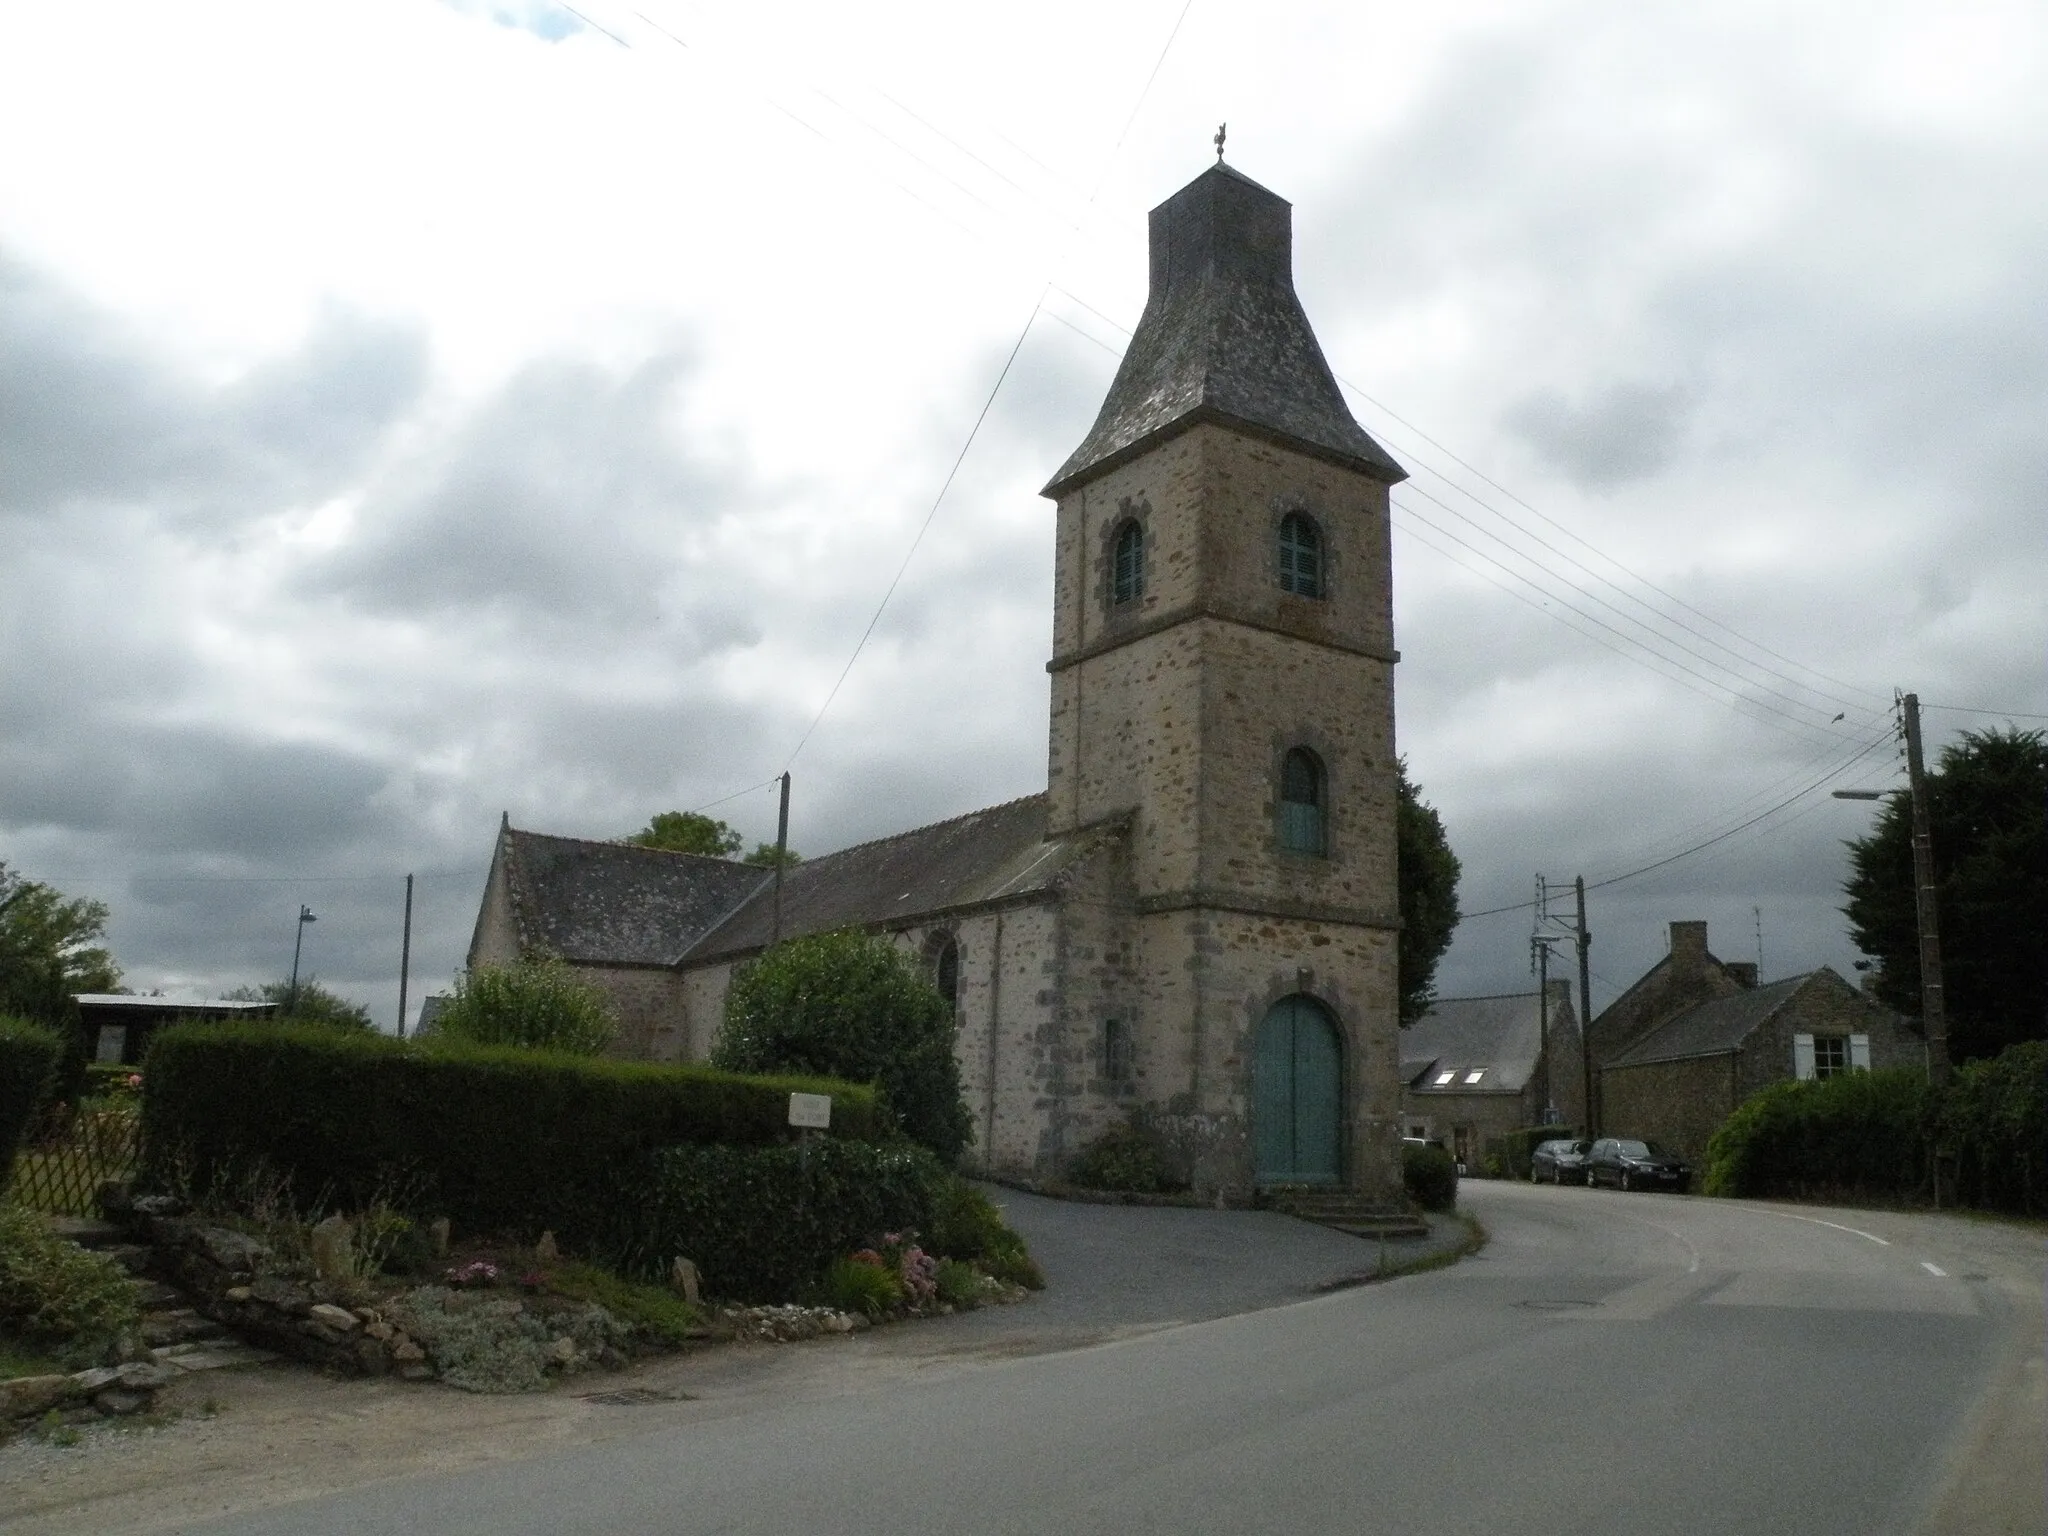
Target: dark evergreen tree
1429 897
1987 803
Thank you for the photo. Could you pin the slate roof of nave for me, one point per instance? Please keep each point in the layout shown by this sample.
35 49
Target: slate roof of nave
996 854
611 903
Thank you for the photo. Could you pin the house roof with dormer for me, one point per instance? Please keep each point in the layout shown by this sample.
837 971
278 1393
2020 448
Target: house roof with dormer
1499 1037
1223 338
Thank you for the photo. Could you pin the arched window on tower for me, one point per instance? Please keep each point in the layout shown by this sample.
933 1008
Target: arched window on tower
1127 579
1301 555
1304 796
946 973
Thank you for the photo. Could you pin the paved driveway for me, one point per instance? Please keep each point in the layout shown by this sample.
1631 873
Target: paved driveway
1118 1269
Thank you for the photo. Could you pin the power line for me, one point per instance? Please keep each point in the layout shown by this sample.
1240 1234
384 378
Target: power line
1965 709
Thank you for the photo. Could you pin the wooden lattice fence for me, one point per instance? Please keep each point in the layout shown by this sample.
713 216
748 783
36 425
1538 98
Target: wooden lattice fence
71 1153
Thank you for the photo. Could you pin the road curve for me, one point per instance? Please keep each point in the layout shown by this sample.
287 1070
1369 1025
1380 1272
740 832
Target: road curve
1632 1364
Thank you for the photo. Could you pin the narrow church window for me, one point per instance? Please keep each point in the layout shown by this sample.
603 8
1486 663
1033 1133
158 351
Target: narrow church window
1301 802
946 973
1301 556
1128 583
1119 1056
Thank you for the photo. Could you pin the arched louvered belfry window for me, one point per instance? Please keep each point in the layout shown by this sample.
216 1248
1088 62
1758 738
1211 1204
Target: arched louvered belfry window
1304 803
1301 555
946 973
1127 578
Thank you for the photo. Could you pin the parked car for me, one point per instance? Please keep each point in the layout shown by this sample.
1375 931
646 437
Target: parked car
1559 1162
1635 1165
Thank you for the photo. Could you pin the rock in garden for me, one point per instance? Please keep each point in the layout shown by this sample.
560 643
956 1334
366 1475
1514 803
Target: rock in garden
406 1352
546 1252
120 1402
333 1244
235 1252
28 1397
279 1293
238 1293
340 1319
371 1357
437 1230
563 1351
416 1372
684 1277
379 1330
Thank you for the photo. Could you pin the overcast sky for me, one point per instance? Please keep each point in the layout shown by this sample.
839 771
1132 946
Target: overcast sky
415 412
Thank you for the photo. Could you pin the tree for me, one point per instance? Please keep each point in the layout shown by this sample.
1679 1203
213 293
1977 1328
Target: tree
1987 808
49 949
538 1003
689 832
850 1005
707 837
315 1004
1429 896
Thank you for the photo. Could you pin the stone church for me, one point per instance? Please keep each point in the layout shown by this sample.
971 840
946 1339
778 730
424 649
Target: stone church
1197 919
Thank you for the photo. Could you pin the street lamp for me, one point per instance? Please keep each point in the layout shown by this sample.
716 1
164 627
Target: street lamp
298 941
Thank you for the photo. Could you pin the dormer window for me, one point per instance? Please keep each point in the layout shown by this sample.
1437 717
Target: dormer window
1301 555
1474 1075
1127 581
1445 1079
1302 795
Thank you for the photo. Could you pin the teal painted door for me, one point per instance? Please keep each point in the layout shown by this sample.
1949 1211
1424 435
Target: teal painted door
1297 1096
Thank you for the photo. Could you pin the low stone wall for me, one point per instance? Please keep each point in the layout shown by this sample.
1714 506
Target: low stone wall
222 1271
108 1391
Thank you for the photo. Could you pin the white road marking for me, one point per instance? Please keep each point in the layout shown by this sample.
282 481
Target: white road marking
1882 1242
1934 1269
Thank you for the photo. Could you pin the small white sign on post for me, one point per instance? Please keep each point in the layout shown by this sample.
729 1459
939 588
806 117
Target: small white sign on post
811 1111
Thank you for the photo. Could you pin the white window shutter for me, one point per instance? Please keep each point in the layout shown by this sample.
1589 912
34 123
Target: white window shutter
1802 1057
1859 1053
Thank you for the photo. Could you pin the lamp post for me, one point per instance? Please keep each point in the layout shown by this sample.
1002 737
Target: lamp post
298 942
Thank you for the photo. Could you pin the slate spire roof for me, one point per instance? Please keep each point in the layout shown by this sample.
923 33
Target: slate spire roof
1223 338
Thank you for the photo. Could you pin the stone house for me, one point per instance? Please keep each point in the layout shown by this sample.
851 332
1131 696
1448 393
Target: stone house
1475 1068
1198 917
1675 1080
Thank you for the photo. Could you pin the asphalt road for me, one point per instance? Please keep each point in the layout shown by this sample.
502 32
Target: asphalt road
1611 1363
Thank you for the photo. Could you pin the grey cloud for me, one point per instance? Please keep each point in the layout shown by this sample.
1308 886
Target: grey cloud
90 413
1625 432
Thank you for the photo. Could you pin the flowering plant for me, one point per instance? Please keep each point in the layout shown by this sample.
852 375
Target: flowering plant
476 1273
916 1270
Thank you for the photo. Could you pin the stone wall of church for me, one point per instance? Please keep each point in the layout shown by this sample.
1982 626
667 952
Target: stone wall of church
1005 1042
645 997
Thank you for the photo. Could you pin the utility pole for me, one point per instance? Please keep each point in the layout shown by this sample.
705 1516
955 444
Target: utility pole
291 996
1542 958
1586 1011
1552 928
781 857
1933 1011
405 958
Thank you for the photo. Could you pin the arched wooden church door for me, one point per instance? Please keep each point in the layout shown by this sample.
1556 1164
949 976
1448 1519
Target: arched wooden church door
1297 1095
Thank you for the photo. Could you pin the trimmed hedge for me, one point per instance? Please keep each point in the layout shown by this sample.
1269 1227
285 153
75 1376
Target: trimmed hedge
1430 1175
28 1063
498 1139
1858 1135
1994 1118
763 1223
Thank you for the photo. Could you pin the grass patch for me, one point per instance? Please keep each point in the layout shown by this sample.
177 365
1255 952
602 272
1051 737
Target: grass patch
649 1309
18 1360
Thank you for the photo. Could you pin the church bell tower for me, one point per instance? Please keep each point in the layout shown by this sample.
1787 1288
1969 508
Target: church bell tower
1222 673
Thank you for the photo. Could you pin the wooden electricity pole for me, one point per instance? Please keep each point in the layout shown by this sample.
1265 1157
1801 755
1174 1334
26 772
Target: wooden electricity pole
405 958
1933 1011
1585 940
781 857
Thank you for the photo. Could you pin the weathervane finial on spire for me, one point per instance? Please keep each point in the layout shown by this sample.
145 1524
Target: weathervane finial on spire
1222 131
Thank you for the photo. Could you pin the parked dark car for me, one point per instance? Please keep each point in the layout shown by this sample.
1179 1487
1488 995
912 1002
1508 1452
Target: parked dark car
1635 1165
1559 1162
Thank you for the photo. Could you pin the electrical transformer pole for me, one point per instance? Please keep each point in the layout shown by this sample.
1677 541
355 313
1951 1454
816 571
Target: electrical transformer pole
1933 1011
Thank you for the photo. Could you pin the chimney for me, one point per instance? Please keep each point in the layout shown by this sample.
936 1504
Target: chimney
1688 949
1742 973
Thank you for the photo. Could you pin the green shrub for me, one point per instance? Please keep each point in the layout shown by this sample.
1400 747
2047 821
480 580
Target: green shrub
855 1285
959 1284
55 1296
1430 1176
1858 1135
497 1139
28 1065
966 1225
112 1080
650 1309
853 1006
1124 1157
539 1003
1994 1119
763 1223
484 1342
